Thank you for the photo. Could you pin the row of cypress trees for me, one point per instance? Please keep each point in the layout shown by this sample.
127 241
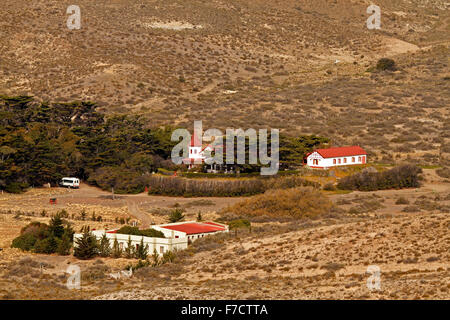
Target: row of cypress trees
87 247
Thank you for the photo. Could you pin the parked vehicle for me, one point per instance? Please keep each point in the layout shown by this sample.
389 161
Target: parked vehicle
70 183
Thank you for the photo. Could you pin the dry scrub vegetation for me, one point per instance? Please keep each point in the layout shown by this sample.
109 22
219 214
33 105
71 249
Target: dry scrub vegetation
297 203
273 60
250 64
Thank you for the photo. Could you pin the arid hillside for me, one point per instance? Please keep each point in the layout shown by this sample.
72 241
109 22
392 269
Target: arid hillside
402 232
219 61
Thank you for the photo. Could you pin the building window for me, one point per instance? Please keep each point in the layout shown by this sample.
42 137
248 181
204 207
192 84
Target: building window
334 161
339 161
353 159
359 159
161 249
345 160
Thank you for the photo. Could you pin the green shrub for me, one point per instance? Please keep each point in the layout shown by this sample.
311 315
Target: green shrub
405 176
402 200
142 251
176 215
136 232
86 246
104 248
42 238
25 242
140 264
64 245
386 64
47 245
15 187
239 223
37 229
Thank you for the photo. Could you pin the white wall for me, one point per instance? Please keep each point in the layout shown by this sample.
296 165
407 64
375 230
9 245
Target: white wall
170 233
328 162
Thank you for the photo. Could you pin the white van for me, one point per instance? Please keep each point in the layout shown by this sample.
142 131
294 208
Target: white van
70 183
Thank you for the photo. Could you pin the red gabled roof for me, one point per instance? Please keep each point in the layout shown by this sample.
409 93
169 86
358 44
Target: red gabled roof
195 141
341 152
195 227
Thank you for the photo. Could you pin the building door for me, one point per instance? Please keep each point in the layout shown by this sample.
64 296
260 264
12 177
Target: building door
364 159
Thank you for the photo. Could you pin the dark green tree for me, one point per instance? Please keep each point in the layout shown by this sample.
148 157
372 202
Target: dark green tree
142 250
176 215
129 250
65 244
155 258
116 250
56 227
86 247
104 247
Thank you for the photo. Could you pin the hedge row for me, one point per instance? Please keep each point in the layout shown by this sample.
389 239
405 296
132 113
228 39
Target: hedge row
180 186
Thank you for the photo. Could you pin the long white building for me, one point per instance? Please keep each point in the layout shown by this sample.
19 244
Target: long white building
177 236
190 229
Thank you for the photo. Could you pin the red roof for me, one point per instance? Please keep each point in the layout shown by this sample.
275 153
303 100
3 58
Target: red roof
195 227
341 152
215 224
195 141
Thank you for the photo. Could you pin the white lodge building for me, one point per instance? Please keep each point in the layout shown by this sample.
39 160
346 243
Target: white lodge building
177 236
334 157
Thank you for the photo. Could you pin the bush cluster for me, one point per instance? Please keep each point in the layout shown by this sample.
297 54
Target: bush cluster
136 232
42 238
405 176
42 142
386 64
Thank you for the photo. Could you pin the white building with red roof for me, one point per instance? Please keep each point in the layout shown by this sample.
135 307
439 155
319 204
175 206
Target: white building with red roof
190 229
335 157
177 236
